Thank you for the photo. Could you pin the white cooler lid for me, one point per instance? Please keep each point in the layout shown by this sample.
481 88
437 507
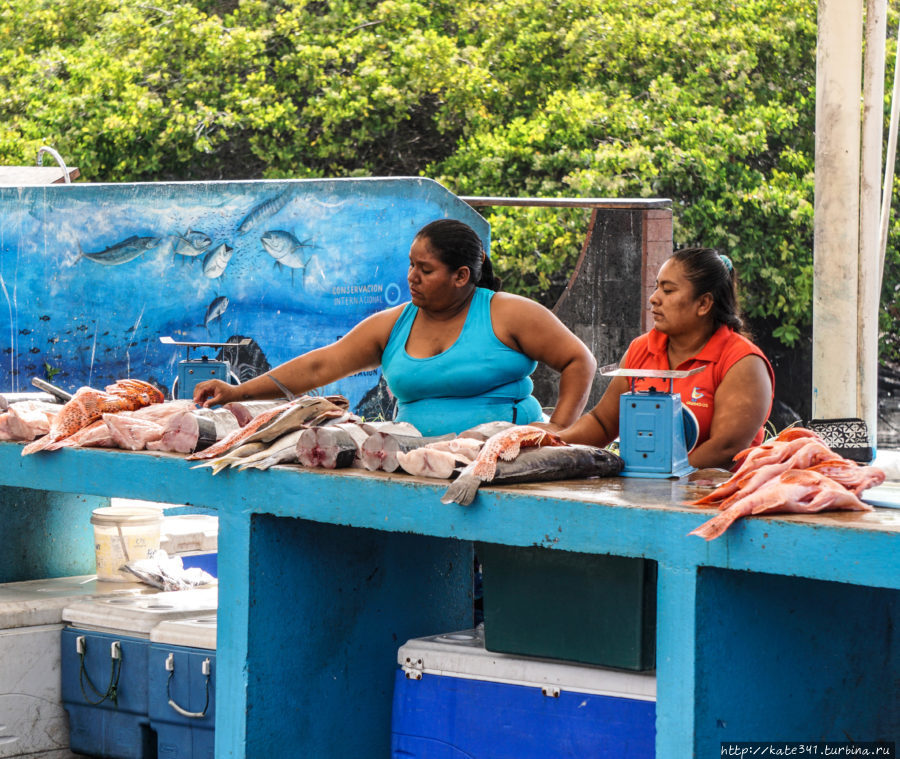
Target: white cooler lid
462 654
183 533
138 615
199 632
41 602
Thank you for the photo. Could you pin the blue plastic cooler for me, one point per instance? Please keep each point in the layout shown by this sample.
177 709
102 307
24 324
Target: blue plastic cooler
182 687
455 700
105 669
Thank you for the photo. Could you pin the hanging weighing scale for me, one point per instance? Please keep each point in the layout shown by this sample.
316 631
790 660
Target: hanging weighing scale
655 430
193 371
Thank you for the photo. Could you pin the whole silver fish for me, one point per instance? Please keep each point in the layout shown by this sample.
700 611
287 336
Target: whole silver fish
122 252
192 243
279 451
285 248
216 261
236 455
541 464
263 211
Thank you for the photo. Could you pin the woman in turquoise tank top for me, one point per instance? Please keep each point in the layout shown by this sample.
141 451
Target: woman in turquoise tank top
457 355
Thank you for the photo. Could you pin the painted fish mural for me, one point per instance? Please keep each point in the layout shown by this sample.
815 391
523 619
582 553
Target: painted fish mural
215 262
192 243
285 248
263 211
215 310
92 275
122 252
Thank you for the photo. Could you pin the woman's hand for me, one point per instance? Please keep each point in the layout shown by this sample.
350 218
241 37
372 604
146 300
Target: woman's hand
214 393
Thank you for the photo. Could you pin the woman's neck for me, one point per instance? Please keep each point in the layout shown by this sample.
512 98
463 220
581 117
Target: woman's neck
683 347
452 311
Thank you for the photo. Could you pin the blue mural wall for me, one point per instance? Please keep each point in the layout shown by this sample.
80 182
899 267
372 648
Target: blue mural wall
92 275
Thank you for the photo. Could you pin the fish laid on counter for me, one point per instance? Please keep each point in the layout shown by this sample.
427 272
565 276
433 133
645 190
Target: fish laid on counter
466 449
381 448
282 450
247 411
798 491
89 405
797 454
27 420
440 459
234 456
504 445
9 399
546 464
391 428
132 433
332 446
301 412
194 429
794 472
851 475
95 435
484 431
430 462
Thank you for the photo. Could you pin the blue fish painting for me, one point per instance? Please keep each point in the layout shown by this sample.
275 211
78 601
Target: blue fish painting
285 248
81 317
263 211
192 243
215 310
121 252
215 262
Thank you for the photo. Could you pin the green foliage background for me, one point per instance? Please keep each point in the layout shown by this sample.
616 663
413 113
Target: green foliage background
709 103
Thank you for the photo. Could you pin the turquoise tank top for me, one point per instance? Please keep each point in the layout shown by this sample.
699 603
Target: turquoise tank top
477 379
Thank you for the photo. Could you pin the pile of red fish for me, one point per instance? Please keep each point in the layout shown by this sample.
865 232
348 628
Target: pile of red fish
89 405
794 472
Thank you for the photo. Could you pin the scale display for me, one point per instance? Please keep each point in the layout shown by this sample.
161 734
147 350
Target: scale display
652 438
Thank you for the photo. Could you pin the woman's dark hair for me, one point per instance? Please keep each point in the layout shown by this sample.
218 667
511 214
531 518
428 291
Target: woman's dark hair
709 272
457 245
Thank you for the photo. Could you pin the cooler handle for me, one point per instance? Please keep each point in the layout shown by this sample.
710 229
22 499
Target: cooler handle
112 690
205 669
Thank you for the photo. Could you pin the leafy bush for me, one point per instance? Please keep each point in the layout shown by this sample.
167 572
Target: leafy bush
708 103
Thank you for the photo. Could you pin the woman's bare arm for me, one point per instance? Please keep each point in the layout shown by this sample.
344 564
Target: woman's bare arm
537 332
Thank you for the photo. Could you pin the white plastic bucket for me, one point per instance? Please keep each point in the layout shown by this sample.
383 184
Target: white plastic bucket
123 534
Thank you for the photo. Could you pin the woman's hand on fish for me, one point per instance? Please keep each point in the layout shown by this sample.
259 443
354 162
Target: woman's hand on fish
549 426
214 393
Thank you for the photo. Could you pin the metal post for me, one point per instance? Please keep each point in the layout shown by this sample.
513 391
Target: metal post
869 287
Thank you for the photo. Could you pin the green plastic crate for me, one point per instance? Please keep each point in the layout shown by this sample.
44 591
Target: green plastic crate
580 607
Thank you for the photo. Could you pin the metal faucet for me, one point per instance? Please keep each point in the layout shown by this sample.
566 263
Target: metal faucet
40 160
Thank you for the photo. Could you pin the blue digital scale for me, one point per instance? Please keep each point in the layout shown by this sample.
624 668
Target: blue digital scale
193 371
655 431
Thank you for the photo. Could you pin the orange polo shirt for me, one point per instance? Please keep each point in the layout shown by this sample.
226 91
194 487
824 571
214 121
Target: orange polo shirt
721 352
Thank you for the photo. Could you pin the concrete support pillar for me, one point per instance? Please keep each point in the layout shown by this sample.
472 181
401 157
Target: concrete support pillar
836 220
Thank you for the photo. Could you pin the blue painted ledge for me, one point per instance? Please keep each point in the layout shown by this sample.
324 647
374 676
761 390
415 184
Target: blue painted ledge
628 517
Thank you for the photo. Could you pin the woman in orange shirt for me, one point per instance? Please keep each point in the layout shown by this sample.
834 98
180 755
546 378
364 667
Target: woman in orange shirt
697 322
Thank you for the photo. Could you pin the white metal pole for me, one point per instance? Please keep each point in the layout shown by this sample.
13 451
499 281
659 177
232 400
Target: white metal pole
836 216
887 190
869 285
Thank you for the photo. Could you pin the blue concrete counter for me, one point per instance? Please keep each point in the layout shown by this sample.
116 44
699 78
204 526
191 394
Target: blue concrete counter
786 628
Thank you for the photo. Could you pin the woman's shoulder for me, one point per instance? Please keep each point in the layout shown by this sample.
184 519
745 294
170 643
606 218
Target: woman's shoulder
735 348
736 344
380 324
510 304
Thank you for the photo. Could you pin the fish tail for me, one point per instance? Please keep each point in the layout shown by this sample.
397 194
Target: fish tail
714 527
462 490
38 445
709 499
